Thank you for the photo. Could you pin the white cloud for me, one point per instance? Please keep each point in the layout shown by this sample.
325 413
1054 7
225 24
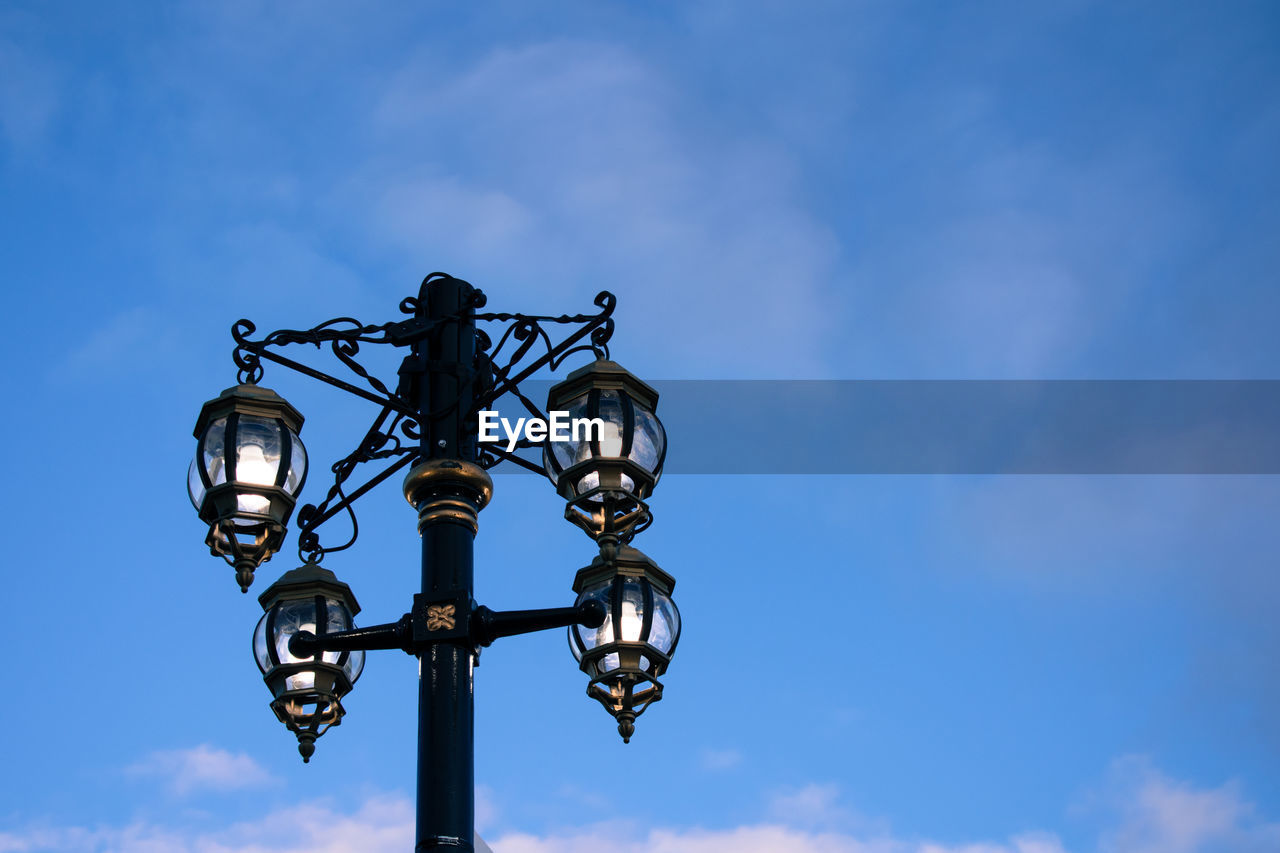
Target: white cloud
1163 815
381 824
768 838
719 759
1020 844
1154 814
202 768
470 219
752 839
541 172
575 166
811 805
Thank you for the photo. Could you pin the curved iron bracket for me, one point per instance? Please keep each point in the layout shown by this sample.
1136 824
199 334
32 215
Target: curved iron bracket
524 348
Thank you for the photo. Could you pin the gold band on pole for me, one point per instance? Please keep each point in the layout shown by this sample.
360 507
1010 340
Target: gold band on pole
448 490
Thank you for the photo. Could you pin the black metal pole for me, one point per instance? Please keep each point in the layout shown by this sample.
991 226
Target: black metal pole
446 709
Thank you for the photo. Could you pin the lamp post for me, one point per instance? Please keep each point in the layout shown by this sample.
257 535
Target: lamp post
250 464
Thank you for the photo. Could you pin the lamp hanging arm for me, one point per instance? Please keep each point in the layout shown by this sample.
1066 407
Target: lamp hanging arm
392 635
486 625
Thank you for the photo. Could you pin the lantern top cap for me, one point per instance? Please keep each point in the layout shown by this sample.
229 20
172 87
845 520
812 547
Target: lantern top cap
308 579
630 562
249 400
604 374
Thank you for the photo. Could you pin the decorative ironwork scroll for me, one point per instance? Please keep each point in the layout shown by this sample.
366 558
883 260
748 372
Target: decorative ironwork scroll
524 347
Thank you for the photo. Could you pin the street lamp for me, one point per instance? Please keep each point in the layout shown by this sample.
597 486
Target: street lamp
248 469
250 465
626 653
605 474
307 689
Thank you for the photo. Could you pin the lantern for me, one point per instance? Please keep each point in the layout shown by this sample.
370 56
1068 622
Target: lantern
625 655
246 475
606 470
306 691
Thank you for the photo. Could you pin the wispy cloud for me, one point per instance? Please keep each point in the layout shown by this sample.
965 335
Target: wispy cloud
130 336
379 824
1159 814
1149 812
1031 843
576 165
29 95
1020 267
486 807
1069 531
201 768
811 805
551 169
719 759
752 839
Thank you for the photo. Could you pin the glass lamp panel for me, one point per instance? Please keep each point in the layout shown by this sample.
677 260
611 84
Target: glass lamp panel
292 617
648 441
300 681
339 619
592 480
571 452
339 616
632 611
611 413
666 623
195 486
257 450
589 482
257 459
609 662
573 644
213 451
354 666
297 464
260 645
593 637
253 504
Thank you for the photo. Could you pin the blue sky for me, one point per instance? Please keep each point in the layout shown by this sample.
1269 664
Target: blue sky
816 190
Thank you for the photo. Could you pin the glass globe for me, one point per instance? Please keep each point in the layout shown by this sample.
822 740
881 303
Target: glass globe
624 448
